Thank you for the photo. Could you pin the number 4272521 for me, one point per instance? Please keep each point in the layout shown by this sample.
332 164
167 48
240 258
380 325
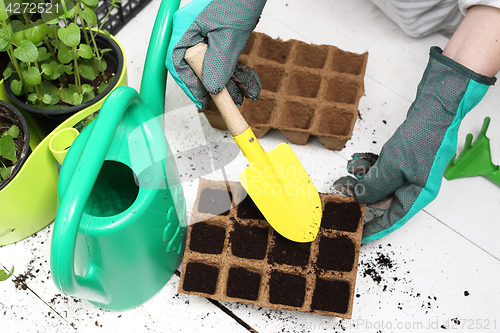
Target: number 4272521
32 8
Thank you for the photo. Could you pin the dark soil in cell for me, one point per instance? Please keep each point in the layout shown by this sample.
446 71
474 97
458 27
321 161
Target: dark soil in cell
341 216
287 289
242 283
215 202
288 252
200 278
332 296
337 253
248 210
249 242
207 238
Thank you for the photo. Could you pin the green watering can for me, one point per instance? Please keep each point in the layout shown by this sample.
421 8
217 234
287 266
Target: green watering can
119 233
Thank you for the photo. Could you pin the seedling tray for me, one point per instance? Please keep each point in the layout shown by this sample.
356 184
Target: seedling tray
232 254
306 90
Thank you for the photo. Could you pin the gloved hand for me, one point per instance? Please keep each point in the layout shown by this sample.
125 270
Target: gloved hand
412 162
225 25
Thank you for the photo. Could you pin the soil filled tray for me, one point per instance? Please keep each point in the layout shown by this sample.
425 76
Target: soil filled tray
232 254
307 90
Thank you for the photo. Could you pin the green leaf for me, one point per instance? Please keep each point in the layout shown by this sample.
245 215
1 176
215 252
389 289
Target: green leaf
32 76
43 54
77 99
70 13
3 12
48 70
88 92
87 71
47 99
64 55
85 51
66 94
101 65
5 275
103 87
16 86
70 35
90 2
26 51
36 31
13 131
8 148
32 97
49 89
106 33
7 73
53 31
89 16
4 40
4 174
17 28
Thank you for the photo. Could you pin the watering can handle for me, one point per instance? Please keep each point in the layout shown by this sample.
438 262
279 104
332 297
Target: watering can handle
74 196
232 116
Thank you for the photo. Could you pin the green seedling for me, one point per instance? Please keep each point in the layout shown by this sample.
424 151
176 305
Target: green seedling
50 55
8 151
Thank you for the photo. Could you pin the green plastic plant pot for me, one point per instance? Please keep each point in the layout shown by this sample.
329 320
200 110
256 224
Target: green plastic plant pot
29 202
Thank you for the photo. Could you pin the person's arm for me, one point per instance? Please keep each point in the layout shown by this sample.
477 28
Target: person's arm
411 164
476 42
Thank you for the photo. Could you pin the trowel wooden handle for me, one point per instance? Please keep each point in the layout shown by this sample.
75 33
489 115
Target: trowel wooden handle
232 116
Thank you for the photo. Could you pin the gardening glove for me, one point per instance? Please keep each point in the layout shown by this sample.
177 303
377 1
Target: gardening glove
412 162
225 25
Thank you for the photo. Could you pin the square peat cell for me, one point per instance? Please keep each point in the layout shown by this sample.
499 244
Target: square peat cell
287 289
303 83
308 55
331 296
342 216
200 278
285 251
248 242
270 76
336 253
335 121
207 238
260 112
242 283
342 89
274 49
347 62
247 209
296 115
214 201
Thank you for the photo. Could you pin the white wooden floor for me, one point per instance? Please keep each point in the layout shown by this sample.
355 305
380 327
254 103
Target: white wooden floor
443 265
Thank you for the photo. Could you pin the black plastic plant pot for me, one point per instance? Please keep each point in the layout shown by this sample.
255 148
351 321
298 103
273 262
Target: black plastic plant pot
9 116
48 119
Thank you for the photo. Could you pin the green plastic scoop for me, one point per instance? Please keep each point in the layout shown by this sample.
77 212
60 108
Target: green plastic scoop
475 159
119 232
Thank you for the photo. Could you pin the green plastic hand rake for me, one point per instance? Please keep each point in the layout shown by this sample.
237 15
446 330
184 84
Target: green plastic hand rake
475 159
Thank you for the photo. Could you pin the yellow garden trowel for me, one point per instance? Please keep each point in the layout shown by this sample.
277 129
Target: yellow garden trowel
275 180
